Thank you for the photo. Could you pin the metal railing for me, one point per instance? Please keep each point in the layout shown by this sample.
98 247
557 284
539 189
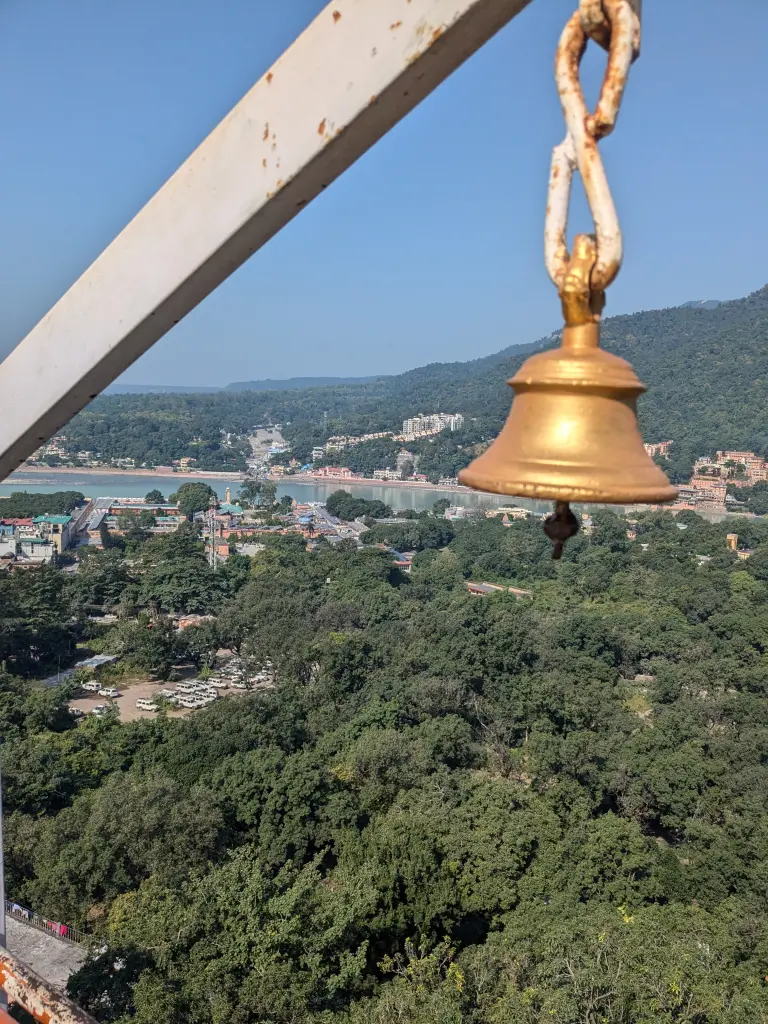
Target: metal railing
64 932
27 989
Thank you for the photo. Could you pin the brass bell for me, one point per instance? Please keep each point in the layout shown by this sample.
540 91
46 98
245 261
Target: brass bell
572 434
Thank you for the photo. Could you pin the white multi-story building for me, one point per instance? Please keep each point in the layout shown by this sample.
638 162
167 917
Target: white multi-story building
432 423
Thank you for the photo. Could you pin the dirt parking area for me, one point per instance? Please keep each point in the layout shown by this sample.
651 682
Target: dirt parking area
129 694
126 702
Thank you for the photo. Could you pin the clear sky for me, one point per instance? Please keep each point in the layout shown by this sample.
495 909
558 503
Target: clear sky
430 248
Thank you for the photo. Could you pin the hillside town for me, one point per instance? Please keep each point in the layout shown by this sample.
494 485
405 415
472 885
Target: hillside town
713 477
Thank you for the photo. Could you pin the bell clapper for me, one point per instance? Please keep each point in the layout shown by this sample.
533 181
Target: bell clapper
560 526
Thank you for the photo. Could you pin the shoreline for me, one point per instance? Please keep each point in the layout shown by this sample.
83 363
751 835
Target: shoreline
364 481
122 471
287 479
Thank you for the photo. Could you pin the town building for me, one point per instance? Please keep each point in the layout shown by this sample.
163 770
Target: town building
661 448
336 472
486 589
37 549
432 423
739 468
57 529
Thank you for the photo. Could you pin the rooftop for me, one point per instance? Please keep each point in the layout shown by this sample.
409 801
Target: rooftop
55 520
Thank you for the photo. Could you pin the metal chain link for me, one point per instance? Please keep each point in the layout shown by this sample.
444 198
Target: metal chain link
614 25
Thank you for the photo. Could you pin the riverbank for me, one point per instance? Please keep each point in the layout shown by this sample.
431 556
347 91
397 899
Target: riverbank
164 471
129 484
364 481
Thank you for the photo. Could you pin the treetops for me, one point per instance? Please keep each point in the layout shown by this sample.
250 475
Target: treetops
453 809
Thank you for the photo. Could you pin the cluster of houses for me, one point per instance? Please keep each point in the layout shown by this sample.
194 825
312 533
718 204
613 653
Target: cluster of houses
711 478
33 541
413 429
707 490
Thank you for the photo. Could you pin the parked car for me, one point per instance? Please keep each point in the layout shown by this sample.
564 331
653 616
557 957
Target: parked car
186 687
109 691
240 684
92 686
218 684
146 705
100 709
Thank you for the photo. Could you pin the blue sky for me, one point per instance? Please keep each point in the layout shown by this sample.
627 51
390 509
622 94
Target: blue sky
430 248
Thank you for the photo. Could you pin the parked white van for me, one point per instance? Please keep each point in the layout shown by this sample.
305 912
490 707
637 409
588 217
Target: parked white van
146 705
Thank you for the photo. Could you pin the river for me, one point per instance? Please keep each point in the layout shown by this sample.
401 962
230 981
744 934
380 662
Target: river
136 485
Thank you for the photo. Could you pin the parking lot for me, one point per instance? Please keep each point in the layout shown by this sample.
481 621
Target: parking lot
126 702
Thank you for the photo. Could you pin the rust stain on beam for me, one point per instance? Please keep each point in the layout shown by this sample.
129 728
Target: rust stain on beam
26 988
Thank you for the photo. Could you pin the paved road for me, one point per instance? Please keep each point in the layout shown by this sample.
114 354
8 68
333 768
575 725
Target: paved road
53 959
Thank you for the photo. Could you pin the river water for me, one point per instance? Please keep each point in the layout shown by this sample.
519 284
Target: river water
136 485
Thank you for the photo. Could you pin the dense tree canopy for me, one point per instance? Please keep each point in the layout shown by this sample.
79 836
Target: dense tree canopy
23 504
345 506
451 809
193 496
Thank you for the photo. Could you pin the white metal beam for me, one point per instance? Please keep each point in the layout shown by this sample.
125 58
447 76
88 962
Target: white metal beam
354 73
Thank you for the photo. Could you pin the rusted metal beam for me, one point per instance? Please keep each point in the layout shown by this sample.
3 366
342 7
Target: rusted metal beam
353 74
28 989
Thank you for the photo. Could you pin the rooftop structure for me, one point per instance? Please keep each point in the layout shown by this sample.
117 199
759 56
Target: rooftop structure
486 589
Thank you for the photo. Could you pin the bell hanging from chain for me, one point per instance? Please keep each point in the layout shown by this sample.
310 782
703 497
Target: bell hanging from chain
572 434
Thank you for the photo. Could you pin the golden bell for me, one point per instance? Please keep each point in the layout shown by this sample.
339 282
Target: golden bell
572 434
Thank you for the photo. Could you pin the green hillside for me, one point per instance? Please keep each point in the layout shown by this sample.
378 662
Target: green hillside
707 371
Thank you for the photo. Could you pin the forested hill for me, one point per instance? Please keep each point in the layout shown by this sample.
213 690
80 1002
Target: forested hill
707 371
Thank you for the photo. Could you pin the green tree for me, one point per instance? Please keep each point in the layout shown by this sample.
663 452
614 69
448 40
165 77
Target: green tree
250 490
154 497
149 644
268 492
194 496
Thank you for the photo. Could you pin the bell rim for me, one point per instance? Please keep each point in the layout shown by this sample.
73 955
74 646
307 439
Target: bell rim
555 492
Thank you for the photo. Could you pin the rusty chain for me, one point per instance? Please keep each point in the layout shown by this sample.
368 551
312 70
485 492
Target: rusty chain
615 26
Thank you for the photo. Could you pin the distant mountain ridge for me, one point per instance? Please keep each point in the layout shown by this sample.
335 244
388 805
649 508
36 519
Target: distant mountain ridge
158 389
706 370
289 384
701 304
295 383
299 383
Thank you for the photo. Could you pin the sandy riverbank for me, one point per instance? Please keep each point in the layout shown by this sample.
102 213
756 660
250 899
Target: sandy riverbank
343 481
299 478
123 471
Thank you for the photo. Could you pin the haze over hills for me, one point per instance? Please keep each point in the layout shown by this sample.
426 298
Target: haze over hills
298 383
291 384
